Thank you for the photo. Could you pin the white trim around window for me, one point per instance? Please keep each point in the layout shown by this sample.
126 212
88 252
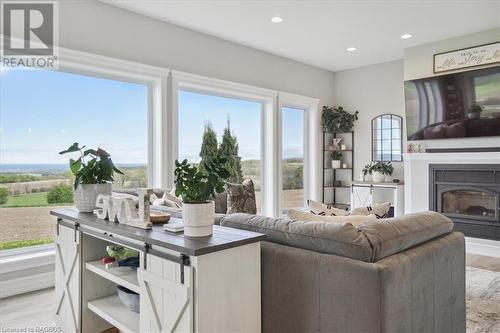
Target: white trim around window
210 86
312 164
155 78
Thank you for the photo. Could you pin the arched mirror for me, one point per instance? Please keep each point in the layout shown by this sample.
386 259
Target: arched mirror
387 144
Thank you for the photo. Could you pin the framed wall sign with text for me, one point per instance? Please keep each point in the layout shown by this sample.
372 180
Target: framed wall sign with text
468 57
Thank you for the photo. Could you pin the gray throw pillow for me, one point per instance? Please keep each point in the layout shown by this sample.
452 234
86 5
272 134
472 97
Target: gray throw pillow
241 198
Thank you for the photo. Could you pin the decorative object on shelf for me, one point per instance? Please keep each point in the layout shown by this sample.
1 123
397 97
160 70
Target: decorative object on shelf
474 111
157 217
121 252
336 120
336 143
344 165
366 171
380 170
174 225
336 156
343 147
122 210
129 298
395 180
468 57
413 147
197 187
92 177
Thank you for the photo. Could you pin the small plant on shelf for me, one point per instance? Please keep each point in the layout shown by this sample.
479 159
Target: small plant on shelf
336 156
336 120
380 170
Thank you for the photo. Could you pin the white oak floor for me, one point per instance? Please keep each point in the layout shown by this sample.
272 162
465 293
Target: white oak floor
35 309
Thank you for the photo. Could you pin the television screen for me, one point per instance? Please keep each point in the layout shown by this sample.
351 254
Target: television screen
465 104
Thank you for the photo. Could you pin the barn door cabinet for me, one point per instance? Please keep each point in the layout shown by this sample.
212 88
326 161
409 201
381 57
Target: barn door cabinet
209 284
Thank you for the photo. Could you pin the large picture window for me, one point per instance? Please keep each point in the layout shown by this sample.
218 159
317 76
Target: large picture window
42 113
222 125
292 165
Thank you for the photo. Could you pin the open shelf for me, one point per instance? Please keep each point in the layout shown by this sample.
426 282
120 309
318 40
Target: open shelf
123 276
114 312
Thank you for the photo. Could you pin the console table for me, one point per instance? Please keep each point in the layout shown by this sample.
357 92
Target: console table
208 284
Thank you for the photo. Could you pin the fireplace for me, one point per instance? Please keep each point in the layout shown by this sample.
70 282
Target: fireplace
469 194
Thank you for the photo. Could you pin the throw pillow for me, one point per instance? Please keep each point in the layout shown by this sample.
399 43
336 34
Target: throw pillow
319 208
381 211
241 198
297 215
173 198
165 202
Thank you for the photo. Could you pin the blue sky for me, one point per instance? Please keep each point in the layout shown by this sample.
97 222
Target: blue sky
43 112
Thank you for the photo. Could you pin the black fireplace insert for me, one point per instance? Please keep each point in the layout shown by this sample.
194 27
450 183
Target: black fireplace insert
469 194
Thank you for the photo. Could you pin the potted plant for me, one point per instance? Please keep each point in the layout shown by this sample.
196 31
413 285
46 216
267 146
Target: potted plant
380 170
366 171
475 111
94 171
197 187
336 120
335 155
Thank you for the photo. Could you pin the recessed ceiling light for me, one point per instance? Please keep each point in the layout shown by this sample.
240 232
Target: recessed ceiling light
351 49
276 19
406 36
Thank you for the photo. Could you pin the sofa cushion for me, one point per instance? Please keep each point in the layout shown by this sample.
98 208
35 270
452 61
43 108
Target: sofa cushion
325 237
298 215
390 236
319 208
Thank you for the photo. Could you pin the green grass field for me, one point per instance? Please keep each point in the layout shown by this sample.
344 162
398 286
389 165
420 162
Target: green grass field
27 200
24 243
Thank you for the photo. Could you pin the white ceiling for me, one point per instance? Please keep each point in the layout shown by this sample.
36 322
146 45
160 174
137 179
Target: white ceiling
318 32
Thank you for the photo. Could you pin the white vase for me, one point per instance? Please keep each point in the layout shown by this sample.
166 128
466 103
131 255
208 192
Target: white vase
86 194
198 219
335 164
378 177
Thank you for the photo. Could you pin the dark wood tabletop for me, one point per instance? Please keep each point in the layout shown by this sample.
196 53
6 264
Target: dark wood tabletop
221 239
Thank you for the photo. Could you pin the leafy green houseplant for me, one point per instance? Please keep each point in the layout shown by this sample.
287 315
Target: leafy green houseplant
336 120
380 170
94 172
196 187
336 156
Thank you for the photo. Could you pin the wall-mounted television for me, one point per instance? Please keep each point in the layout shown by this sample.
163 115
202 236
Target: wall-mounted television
447 106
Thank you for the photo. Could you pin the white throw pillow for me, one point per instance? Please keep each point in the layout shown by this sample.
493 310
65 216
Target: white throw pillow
173 198
319 208
381 211
165 202
297 215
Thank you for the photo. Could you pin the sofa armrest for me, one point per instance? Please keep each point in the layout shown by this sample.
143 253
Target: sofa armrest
390 236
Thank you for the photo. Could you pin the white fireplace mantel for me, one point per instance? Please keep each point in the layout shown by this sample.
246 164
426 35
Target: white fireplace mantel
416 171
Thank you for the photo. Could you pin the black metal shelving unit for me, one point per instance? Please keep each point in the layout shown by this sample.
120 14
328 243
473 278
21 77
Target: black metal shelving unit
327 148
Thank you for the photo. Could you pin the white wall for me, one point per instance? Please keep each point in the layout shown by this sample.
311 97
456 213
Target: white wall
418 63
372 90
95 27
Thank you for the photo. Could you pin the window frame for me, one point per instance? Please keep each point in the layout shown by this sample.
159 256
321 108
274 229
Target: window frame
209 86
311 143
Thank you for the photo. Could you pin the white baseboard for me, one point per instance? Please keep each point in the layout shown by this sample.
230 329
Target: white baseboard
484 247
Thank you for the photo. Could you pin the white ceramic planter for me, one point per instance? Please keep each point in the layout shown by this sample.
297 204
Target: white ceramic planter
198 219
86 194
335 164
377 177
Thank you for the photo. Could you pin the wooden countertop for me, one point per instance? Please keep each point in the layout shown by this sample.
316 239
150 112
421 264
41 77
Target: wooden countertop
221 239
